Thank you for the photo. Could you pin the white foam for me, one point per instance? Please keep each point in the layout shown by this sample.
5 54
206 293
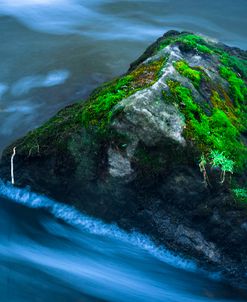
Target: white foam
18 3
22 106
52 16
26 111
53 78
56 78
92 225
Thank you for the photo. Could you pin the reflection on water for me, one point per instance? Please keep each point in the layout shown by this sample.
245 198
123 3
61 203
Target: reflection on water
50 251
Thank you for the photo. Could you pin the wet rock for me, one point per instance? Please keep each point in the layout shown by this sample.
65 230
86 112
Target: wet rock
157 149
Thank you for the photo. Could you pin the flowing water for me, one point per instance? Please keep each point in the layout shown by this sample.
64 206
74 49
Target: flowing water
54 52
50 252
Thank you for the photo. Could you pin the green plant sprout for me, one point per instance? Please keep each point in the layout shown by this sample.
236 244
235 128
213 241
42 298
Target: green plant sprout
219 160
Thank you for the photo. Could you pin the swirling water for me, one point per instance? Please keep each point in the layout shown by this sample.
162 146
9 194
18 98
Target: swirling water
51 252
54 52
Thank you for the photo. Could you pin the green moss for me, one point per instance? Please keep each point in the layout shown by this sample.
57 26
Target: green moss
98 109
184 97
233 67
54 134
185 70
189 42
224 104
239 65
209 132
195 42
240 194
235 64
237 85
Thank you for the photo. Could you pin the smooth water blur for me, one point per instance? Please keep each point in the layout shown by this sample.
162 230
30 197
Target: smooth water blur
50 252
54 52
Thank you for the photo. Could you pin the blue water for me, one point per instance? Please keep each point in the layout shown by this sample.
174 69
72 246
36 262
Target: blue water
51 252
54 52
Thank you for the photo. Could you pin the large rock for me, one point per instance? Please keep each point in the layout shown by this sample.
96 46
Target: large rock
160 149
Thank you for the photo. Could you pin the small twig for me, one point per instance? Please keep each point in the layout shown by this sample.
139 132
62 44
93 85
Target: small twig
12 166
204 173
223 177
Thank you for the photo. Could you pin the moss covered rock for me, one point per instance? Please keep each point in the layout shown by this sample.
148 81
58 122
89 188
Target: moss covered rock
161 148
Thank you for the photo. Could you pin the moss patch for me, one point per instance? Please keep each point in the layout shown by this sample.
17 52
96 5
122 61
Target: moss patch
238 64
237 86
53 135
98 109
216 131
233 68
240 194
188 42
219 128
191 73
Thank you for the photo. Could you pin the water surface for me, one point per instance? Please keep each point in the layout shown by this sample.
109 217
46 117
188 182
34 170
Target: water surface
54 52
50 252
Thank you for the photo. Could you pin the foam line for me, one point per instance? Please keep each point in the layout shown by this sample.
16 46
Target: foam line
92 225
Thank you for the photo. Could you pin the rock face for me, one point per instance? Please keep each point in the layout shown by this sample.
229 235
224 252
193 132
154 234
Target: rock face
161 149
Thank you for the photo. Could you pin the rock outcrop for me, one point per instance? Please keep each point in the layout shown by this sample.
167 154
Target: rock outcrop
161 149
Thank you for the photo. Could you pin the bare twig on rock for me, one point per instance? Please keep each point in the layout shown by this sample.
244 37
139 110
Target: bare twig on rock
12 166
